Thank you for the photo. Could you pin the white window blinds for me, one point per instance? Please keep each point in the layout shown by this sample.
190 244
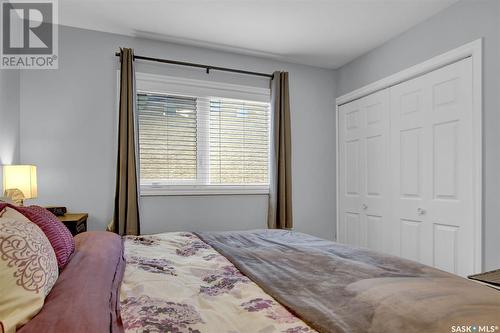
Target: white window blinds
202 142
239 142
167 137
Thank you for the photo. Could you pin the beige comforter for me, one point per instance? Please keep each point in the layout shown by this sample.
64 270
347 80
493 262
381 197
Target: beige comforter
176 283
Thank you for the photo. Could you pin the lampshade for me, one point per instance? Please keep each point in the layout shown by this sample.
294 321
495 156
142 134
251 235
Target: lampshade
22 177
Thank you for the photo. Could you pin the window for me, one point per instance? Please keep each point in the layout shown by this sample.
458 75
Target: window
167 138
199 144
239 142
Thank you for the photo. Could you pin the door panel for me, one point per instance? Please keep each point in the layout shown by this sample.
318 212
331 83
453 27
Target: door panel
352 167
445 247
363 149
375 232
411 163
410 239
375 195
350 182
375 165
353 227
445 160
408 134
431 127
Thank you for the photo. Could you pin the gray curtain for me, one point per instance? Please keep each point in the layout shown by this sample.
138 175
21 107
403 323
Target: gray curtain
126 208
280 194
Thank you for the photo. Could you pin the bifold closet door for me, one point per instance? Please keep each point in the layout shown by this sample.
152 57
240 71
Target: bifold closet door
432 168
364 215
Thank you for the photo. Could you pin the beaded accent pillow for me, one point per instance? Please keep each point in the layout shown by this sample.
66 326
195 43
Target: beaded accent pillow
28 270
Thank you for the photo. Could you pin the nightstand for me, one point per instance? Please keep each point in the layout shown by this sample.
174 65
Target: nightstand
76 223
491 278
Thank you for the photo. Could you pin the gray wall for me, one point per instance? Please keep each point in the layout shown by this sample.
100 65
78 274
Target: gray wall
68 129
455 26
9 118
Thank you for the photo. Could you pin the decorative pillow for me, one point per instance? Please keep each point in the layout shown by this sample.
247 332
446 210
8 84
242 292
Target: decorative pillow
59 236
28 270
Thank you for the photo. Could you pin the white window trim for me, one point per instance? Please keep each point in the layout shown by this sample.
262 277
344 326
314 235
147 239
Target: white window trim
189 87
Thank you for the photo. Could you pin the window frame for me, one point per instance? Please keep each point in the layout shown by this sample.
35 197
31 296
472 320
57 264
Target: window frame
152 83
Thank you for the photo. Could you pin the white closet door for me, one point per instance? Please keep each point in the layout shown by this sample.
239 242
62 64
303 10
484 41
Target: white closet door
363 169
350 175
432 169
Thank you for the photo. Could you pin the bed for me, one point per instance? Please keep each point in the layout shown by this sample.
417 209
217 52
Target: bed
254 281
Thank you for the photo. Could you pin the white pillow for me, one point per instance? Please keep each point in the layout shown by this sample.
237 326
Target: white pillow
28 270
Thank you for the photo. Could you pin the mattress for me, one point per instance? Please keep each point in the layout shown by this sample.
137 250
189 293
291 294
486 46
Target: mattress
254 281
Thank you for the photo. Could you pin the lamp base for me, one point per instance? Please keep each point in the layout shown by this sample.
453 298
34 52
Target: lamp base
15 195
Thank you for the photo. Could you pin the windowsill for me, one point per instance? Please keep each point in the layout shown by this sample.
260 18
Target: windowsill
147 191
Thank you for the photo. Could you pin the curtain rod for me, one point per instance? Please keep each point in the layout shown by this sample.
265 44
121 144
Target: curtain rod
208 68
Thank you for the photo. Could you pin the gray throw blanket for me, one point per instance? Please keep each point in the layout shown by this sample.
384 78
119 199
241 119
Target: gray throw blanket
338 288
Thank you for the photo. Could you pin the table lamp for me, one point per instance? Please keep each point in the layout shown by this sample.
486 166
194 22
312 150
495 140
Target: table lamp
19 182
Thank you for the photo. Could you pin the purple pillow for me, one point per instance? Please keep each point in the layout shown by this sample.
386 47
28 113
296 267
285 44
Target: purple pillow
59 236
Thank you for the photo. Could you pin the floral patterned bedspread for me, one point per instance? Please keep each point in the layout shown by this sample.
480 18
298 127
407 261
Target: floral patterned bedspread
175 282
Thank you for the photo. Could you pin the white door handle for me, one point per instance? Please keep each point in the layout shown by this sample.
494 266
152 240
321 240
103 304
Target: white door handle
420 211
365 207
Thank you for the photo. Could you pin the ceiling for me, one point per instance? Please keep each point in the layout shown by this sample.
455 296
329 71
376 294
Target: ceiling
323 33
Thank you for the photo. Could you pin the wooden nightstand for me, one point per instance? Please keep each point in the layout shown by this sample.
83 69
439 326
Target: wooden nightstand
76 223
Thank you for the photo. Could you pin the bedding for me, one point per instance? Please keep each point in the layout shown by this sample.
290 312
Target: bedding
256 281
85 297
28 269
175 282
340 288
